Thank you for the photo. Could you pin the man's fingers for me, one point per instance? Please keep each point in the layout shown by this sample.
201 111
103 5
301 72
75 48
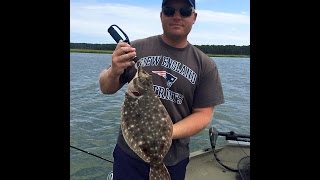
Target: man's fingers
124 50
123 55
126 57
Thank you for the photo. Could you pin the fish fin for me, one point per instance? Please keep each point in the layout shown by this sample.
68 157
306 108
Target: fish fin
159 172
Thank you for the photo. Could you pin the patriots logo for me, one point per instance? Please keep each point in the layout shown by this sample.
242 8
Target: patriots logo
169 77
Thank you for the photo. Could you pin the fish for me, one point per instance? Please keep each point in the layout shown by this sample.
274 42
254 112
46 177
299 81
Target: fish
146 125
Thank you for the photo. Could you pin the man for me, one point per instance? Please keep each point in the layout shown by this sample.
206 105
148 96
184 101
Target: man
185 79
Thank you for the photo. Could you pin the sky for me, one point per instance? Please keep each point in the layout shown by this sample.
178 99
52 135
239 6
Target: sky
219 22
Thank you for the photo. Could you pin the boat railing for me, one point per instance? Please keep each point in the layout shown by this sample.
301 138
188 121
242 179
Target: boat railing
244 164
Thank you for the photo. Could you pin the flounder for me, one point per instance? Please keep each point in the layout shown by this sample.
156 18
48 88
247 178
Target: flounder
146 125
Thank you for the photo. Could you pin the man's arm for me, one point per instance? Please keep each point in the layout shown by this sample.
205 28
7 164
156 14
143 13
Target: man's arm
109 79
109 82
194 123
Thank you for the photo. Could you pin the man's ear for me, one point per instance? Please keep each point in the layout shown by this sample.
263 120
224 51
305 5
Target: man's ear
195 17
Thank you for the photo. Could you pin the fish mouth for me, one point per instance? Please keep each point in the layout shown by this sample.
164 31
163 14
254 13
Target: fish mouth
133 92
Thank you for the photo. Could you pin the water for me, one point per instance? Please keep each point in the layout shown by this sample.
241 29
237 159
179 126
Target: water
94 117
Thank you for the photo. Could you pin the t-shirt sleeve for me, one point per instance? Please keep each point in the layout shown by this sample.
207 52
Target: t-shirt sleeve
209 91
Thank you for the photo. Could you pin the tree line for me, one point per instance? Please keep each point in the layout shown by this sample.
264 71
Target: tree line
208 49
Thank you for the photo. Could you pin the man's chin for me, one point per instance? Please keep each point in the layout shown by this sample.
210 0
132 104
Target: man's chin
176 29
177 35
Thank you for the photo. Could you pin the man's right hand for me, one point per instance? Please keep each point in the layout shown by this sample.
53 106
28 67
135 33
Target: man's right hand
122 58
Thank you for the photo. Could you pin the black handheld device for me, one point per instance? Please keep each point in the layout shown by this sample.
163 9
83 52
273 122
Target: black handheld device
115 35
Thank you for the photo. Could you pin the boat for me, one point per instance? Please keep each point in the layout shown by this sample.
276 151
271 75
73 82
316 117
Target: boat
230 161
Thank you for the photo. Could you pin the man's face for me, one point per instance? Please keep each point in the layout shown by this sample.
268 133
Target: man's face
177 25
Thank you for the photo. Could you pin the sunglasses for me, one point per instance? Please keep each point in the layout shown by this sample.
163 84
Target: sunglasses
184 11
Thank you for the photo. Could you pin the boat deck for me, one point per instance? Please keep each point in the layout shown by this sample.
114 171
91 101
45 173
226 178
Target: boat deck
203 165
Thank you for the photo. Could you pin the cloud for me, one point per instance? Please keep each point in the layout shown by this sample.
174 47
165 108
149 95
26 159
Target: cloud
206 16
92 21
137 22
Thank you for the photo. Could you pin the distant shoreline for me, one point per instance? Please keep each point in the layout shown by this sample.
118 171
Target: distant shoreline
111 51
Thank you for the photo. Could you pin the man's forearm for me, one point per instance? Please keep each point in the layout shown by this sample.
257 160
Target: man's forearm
193 124
109 83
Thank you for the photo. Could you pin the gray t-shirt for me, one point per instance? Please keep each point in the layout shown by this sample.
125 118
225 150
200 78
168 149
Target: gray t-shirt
183 78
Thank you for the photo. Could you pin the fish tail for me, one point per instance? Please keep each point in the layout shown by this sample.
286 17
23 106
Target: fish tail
159 172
